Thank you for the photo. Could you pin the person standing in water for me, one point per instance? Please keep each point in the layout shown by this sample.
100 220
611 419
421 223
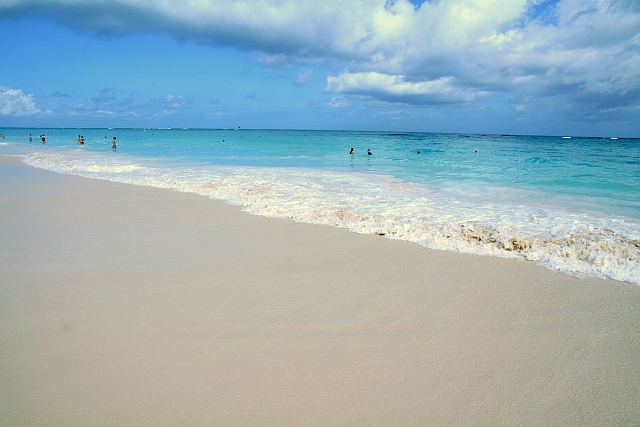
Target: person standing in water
113 143
79 143
352 152
369 152
30 138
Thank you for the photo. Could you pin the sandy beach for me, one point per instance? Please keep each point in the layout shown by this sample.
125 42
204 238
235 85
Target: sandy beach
137 306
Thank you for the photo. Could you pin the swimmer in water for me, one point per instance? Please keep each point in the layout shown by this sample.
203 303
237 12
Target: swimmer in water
352 152
113 143
369 152
30 138
79 143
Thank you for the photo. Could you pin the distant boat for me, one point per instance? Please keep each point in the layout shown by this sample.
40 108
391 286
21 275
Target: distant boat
566 137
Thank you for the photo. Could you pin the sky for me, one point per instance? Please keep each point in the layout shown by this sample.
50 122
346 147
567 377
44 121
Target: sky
541 67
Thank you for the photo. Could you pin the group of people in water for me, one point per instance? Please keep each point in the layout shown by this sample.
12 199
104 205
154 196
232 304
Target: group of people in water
42 138
80 139
369 153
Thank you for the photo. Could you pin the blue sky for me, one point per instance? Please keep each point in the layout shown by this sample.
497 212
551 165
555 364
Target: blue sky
550 67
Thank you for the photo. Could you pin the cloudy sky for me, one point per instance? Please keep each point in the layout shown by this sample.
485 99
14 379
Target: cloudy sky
551 67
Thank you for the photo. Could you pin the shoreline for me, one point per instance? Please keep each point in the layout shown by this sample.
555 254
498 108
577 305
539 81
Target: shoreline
580 244
128 305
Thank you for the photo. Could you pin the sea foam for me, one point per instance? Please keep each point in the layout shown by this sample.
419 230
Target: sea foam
574 243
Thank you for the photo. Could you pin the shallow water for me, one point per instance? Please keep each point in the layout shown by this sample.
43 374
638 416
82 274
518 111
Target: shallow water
571 204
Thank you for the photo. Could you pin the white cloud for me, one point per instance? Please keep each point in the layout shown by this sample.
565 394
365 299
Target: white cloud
14 102
383 86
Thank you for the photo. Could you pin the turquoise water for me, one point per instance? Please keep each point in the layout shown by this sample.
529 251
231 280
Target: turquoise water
571 204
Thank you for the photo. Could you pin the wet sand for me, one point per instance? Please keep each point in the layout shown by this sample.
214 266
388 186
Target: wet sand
124 305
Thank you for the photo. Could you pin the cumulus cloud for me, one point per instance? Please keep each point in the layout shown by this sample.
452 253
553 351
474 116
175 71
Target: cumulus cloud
585 53
14 102
396 88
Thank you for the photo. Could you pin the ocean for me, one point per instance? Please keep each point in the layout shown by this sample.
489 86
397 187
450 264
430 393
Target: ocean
567 203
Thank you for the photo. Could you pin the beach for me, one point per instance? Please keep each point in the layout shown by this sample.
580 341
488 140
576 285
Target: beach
131 305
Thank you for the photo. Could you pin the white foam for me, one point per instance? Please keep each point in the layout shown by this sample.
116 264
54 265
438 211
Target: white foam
574 243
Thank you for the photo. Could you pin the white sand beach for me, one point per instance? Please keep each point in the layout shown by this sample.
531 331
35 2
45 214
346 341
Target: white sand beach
136 306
